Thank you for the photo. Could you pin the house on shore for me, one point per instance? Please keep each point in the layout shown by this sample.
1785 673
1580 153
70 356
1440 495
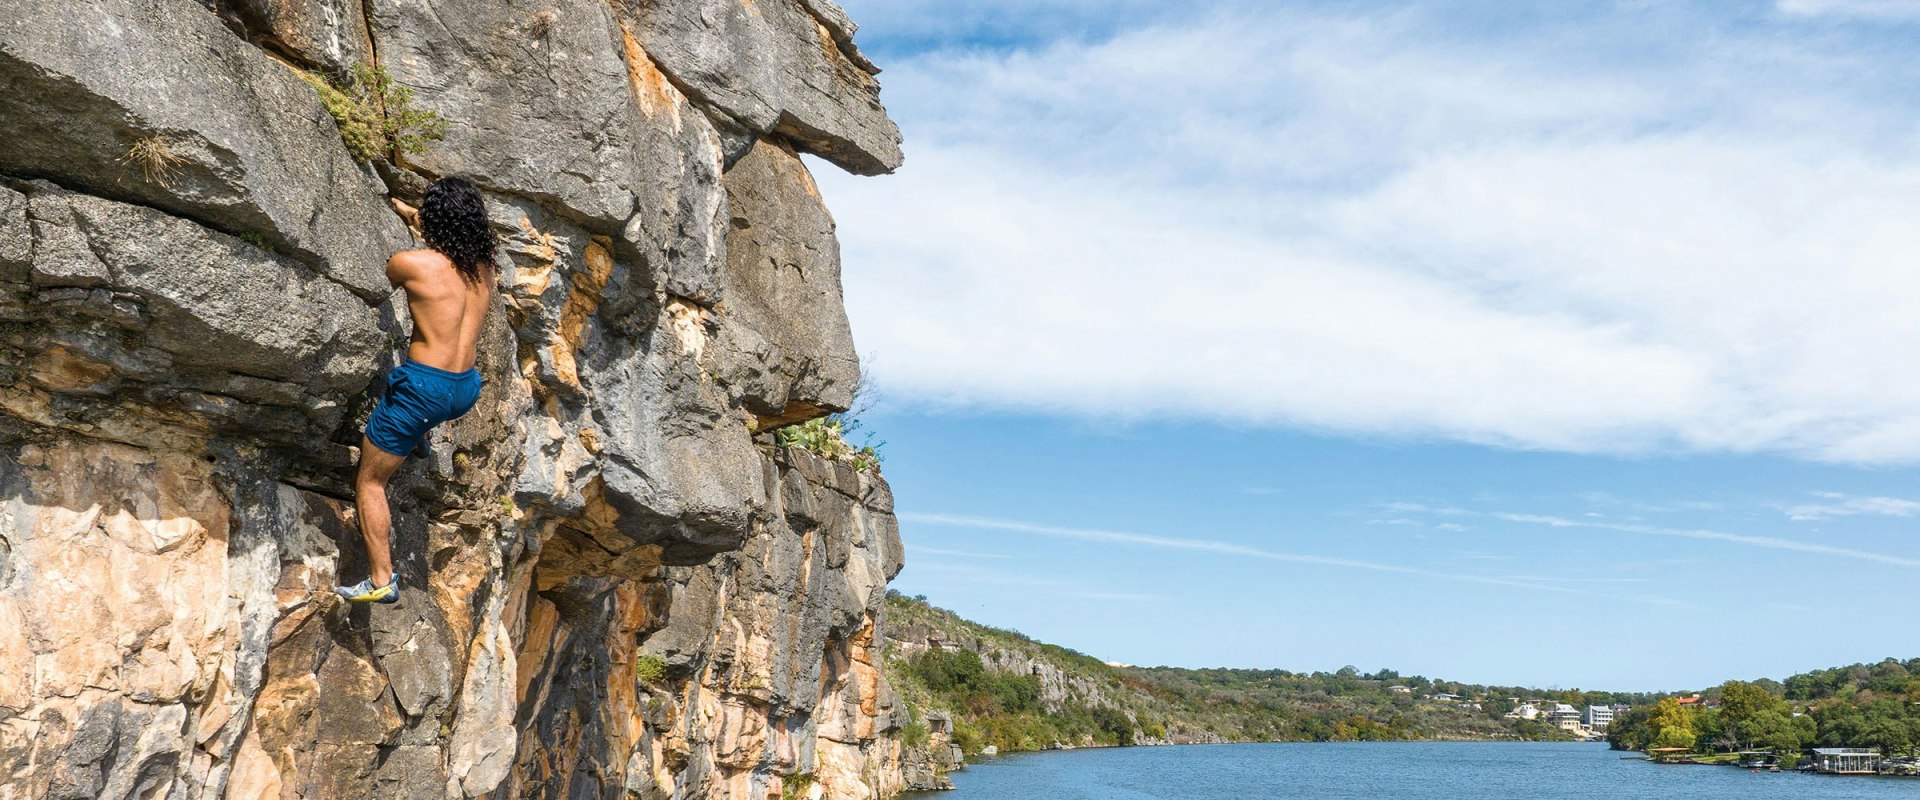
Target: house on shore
1564 717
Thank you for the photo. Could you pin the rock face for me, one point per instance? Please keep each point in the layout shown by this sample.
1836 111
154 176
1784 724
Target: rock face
617 585
1058 687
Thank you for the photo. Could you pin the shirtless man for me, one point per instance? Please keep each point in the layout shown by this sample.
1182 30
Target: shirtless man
448 285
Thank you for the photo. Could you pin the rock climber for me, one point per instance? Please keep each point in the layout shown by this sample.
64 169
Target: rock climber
449 285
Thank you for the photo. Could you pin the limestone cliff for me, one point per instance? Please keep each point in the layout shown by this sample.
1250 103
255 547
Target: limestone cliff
618 585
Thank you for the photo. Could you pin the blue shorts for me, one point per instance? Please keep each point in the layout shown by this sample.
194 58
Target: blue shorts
417 398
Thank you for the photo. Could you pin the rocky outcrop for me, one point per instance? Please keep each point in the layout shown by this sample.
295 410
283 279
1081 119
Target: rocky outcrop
788 68
1077 701
929 767
617 585
1058 687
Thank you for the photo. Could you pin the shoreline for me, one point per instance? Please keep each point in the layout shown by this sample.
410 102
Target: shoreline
1500 742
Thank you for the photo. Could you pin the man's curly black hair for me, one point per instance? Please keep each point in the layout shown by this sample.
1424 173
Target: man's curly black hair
453 219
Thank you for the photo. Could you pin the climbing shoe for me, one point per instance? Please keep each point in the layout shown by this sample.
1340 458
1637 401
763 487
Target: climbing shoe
366 592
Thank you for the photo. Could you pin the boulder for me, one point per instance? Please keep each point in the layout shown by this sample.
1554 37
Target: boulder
16 237
785 66
155 102
330 35
555 102
210 301
788 345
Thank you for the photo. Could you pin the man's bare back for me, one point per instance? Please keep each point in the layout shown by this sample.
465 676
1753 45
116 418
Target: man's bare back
447 311
449 286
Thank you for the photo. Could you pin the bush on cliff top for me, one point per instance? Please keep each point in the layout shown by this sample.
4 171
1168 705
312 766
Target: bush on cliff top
826 437
376 116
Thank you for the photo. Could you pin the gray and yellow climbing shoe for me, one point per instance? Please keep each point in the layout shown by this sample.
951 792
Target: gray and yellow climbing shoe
366 592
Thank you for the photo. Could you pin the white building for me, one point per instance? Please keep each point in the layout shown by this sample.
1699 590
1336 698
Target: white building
1564 716
1599 717
1524 711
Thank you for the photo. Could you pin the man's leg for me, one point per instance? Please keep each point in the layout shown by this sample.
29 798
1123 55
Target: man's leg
370 498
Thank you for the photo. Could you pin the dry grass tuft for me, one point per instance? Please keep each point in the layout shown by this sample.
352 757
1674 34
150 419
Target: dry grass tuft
156 159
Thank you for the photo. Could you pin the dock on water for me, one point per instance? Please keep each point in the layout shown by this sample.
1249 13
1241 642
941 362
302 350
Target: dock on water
1845 760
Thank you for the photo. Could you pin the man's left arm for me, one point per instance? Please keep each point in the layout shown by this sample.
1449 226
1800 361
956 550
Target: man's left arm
408 214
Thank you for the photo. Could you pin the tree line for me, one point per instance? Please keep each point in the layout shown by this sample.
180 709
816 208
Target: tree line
1862 705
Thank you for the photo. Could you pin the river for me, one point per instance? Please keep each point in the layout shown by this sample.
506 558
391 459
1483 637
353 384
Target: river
1387 771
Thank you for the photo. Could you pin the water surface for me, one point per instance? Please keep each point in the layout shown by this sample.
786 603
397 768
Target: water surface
1388 771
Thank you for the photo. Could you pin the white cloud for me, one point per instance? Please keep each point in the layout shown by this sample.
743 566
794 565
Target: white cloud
1846 505
1363 224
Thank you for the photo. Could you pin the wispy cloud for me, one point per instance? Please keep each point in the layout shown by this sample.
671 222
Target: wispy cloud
1052 586
1574 579
1884 10
1767 542
1405 507
1610 500
1211 546
1847 505
1632 228
941 551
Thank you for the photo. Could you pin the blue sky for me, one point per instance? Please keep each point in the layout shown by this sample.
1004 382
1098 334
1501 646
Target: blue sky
1550 344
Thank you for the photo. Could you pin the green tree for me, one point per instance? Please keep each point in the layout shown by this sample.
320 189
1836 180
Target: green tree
1674 736
1750 716
1672 725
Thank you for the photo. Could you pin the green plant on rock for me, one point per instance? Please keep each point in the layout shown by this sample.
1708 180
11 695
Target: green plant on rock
795 786
915 734
376 116
826 437
650 669
257 240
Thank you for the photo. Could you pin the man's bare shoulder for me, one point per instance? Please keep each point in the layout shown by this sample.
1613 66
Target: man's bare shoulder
422 258
408 264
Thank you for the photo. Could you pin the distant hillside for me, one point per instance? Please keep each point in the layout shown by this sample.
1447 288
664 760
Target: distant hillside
1009 691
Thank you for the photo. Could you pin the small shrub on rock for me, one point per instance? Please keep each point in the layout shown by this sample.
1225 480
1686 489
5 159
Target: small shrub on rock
376 116
650 669
826 437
